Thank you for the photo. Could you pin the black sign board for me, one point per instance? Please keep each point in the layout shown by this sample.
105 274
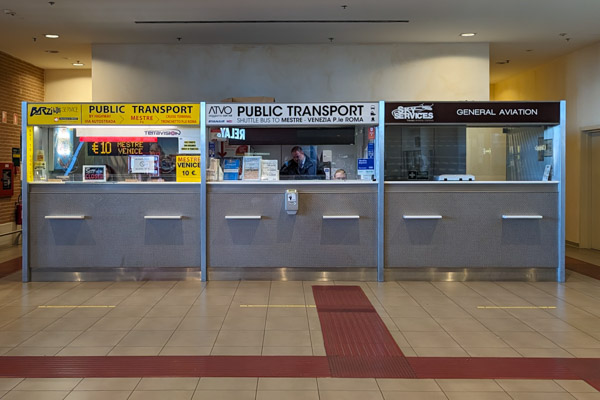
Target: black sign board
118 148
476 112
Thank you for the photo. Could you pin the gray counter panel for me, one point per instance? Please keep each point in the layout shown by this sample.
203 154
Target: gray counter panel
471 232
301 240
114 233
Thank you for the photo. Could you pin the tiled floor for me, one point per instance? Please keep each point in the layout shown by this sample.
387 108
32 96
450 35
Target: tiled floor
438 319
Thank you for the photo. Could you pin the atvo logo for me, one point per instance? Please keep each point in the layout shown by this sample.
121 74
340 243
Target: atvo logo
220 110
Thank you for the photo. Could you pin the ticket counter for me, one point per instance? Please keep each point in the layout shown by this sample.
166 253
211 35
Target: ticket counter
474 191
327 228
111 191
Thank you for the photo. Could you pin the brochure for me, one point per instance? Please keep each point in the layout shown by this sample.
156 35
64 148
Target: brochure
269 170
251 168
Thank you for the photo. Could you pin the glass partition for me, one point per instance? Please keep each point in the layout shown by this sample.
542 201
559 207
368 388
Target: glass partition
115 154
515 153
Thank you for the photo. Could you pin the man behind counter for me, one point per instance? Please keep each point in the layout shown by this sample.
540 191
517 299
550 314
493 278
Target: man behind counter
299 164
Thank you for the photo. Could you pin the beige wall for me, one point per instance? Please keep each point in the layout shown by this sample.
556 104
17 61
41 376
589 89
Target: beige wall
576 79
68 85
291 73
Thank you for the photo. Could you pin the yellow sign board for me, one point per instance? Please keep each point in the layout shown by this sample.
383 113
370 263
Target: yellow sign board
29 154
140 114
53 114
188 168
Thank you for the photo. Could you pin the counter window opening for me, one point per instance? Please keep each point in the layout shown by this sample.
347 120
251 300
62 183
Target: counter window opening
426 153
61 153
284 153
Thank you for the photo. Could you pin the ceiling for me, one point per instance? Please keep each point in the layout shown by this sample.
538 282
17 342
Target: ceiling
522 33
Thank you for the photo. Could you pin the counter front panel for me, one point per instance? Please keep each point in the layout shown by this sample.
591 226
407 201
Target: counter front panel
112 226
334 227
471 229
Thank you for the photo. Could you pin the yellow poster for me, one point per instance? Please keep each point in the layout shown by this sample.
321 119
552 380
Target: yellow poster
188 168
29 154
53 114
140 114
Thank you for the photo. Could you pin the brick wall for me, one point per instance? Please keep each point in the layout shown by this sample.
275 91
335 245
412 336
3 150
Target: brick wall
19 81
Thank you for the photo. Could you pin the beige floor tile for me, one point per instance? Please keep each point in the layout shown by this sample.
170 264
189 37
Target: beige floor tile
549 325
586 396
240 338
469 385
319 351
99 395
107 384
407 312
33 351
47 384
98 339
439 352
176 300
573 339
492 352
478 396
348 395
281 384
168 384
168 311
539 396
417 325
408 385
316 338
158 324
287 351
400 339
414 396
461 325
185 351
35 395
161 395
129 311
26 324
336 384
214 300
478 339
505 325
278 338
224 395
544 353
51 339
236 351
529 385
85 351
287 394
135 351
585 353
115 324
235 323
227 384
575 386
530 340
145 338
71 324
430 339
192 338
9 383
287 323
201 323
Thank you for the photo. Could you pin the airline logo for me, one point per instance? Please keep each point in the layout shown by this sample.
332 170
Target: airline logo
416 112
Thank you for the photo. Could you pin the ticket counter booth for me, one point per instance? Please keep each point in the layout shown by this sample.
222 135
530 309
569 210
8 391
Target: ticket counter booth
474 191
111 191
268 220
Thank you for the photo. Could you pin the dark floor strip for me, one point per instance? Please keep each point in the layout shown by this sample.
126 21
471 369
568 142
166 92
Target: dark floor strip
582 267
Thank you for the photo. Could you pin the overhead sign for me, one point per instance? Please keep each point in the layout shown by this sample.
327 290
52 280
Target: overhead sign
140 114
315 114
473 113
53 114
188 169
113 114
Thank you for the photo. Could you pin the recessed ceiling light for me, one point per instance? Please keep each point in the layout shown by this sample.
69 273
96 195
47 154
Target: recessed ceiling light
468 34
78 64
51 36
51 51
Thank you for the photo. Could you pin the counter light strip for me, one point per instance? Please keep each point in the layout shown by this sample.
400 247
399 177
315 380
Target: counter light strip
163 216
422 217
504 216
64 217
341 216
243 216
